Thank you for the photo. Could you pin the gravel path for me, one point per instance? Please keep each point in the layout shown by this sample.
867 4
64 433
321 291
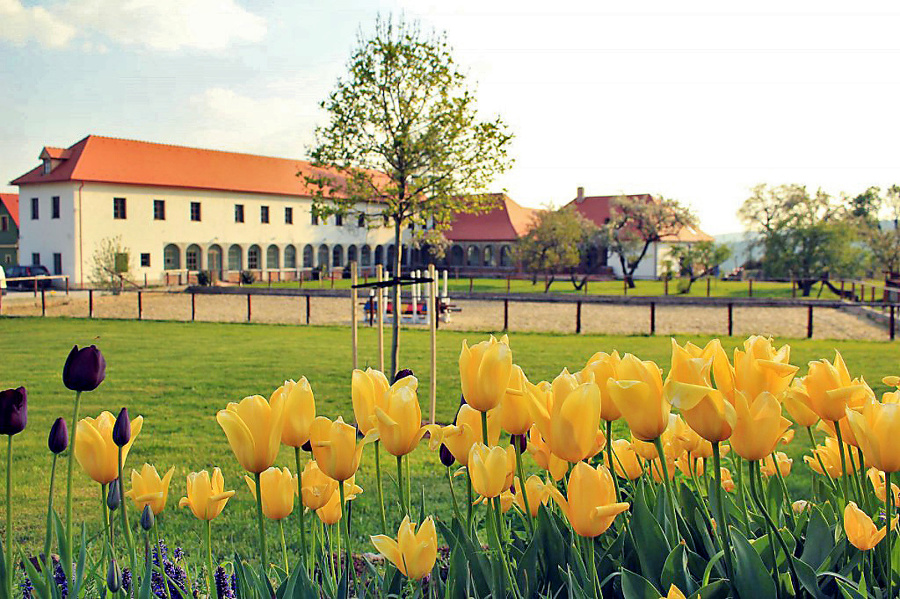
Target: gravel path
829 323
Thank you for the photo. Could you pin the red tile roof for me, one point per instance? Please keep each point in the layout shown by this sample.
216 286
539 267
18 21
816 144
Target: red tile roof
111 160
598 210
508 221
11 201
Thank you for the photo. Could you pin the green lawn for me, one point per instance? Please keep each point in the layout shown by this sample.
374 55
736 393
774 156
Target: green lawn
177 375
717 288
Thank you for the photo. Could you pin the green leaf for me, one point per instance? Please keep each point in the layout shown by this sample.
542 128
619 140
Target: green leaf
652 546
751 578
635 586
714 590
675 571
818 541
807 577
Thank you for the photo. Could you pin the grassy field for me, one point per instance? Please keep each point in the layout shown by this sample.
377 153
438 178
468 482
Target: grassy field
177 375
718 288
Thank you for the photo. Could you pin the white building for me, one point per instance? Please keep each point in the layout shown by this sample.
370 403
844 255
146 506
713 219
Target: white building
181 209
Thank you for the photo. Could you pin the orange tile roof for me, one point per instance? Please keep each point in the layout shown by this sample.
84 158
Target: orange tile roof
508 221
598 210
123 161
11 201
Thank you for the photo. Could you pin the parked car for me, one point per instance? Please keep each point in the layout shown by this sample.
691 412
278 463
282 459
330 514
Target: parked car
34 270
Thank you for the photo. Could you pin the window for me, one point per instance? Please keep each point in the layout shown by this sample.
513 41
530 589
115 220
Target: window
35 258
361 221
159 210
57 264
35 208
4 223
192 257
313 218
263 214
145 260
195 211
339 220
253 257
238 213
119 208
48 166
288 215
54 207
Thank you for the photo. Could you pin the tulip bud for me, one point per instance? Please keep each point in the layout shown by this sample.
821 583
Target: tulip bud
121 433
402 374
520 440
59 436
113 497
447 458
307 447
13 411
113 577
85 369
147 518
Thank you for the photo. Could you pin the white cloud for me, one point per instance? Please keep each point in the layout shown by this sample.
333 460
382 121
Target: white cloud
163 25
21 24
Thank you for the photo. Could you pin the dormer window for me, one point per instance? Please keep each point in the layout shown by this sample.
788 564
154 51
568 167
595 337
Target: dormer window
47 166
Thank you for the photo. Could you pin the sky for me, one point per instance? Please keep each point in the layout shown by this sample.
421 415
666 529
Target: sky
696 101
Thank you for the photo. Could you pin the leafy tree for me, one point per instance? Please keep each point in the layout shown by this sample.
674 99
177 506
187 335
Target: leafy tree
883 240
698 260
805 237
111 264
636 223
404 138
556 244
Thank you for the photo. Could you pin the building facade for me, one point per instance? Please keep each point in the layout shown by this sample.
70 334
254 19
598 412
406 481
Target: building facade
9 229
181 210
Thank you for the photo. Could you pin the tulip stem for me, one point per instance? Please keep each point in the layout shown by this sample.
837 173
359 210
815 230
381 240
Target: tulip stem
403 509
106 520
668 484
209 559
723 522
128 538
788 556
521 470
345 518
9 549
844 486
889 511
300 492
609 457
812 440
162 570
287 568
855 474
379 489
67 563
469 502
453 496
261 522
742 493
49 534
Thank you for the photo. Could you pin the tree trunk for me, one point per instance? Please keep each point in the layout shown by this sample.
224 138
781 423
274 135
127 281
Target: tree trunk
395 298
547 282
806 286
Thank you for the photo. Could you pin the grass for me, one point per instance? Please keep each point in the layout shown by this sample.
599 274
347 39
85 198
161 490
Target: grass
717 288
177 375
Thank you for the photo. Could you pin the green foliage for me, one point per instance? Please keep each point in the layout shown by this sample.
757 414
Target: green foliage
556 244
697 260
111 264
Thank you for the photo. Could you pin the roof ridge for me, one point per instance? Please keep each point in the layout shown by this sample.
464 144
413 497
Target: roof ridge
184 147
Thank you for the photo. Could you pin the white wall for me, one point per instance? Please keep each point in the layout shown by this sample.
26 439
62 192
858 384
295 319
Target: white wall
47 235
648 268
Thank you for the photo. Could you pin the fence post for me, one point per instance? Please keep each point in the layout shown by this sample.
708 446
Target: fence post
625 286
506 313
43 303
578 318
652 318
67 285
749 287
35 286
707 286
585 285
90 303
193 306
140 306
862 292
853 290
332 279
873 293
892 322
809 322
249 309
471 281
666 286
794 288
507 284
730 319
307 309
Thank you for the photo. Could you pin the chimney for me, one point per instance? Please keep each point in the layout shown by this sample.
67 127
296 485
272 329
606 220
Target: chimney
580 197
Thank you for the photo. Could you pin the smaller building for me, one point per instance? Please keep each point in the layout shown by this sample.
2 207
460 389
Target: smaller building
485 241
9 229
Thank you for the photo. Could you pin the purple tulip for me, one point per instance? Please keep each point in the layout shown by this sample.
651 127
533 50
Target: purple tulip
447 458
59 436
121 433
13 411
402 374
85 369
520 440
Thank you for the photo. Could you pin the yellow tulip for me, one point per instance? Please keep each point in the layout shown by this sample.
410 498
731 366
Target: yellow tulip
299 411
568 418
484 372
538 493
799 506
367 390
799 405
861 531
254 427
400 420
625 460
602 367
540 451
206 497
460 437
787 437
413 553
877 429
335 448
147 488
876 477
831 390
331 512
590 503
688 464
760 368
689 389
672 439
727 481
278 488
856 402
638 394
656 469
694 444
491 468
759 426
515 417
777 460
507 499
315 487
674 593
830 456
95 450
